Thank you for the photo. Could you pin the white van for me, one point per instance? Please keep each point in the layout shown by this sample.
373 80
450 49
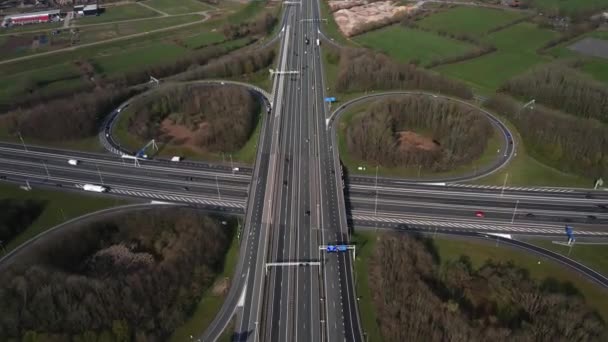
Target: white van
176 158
73 162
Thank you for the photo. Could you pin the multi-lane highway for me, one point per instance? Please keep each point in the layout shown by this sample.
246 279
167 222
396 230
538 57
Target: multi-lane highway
293 201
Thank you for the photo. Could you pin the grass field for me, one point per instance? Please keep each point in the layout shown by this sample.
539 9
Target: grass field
138 57
597 68
404 44
479 251
516 53
44 80
471 20
593 256
203 39
117 13
210 304
490 154
60 206
177 6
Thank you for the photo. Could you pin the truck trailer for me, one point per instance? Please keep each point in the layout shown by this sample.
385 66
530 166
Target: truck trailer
94 188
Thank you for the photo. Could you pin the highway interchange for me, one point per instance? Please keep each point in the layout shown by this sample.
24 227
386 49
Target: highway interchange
293 201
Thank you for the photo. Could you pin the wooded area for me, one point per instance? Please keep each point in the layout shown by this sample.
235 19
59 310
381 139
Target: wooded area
565 142
65 119
218 118
365 70
135 277
417 298
16 215
562 88
452 134
232 65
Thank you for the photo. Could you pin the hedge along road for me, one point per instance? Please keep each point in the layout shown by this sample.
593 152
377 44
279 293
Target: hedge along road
106 129
508 146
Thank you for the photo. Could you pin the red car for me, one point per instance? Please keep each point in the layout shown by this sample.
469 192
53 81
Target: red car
480 214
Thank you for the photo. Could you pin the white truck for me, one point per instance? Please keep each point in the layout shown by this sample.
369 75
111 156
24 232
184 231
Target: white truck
94 188
176 158
73 162
318 42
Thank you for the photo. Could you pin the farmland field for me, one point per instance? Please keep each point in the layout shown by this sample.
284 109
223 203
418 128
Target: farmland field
109 31
117 13
177 6
405 44
516 53
569 7
469 20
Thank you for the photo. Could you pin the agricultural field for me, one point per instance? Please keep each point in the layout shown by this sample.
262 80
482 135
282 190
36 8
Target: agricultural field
405 44
118 13
597 67
33 43
569 7
516 53
177 6
475 21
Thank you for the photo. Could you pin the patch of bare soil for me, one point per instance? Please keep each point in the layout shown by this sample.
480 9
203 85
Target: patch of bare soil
413 141
358 19
181 135
220 287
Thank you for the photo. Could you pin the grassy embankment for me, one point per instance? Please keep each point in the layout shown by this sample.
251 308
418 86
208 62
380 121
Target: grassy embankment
59 207
479 251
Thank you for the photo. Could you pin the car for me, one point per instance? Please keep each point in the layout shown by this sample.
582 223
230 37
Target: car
480 214
591 217
307 212
185 188
529 215
307 41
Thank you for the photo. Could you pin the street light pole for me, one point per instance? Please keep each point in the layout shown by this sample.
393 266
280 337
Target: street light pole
376 201
99 172
514 211
504 184
48 175
217 185
23 142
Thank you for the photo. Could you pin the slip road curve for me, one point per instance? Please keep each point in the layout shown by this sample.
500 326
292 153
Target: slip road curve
508 144
106 129
11 256
581 269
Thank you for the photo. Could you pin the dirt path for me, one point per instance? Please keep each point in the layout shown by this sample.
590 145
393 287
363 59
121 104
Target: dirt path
72 48
164 14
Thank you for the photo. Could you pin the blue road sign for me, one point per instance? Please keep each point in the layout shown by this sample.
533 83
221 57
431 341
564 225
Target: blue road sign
330 99
331 248
342 248
570 234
